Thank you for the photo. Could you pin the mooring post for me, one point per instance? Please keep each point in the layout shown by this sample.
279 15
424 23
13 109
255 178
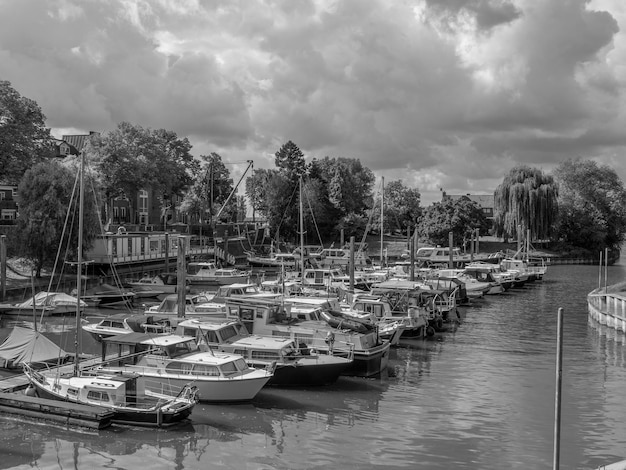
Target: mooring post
181 276
451 248
3 266
557 398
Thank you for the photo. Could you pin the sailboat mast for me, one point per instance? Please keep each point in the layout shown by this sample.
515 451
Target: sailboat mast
382 220
79 270
301 235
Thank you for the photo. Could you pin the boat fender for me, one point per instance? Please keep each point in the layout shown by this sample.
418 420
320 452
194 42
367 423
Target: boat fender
430 331
30 391
439 323
330 338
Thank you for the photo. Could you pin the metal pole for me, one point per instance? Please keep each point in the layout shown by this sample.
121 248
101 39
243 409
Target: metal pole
557 400
606 267
412 259
167 252
181 277
301 223
600 272
450 254
382 217
32 289
477 236
352 264
79 271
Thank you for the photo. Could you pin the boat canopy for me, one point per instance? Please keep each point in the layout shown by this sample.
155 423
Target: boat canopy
25 345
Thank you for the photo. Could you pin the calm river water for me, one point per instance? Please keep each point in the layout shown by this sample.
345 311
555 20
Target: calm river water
481 397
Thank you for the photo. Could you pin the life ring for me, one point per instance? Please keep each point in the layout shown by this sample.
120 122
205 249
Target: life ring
430 331
121 230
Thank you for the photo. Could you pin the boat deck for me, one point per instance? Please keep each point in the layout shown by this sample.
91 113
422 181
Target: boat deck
19 381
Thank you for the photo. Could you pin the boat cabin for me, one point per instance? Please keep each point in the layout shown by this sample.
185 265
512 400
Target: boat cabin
231 336
331 257
127 349
169 305
242 290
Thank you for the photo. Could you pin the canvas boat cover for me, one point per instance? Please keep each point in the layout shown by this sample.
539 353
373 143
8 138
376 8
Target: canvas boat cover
27 345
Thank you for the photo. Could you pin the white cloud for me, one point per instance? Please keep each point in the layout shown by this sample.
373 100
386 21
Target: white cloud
441 93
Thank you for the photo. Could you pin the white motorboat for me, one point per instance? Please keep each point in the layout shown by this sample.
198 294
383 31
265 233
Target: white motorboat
207 272
121 323
43 304
295 365
175 360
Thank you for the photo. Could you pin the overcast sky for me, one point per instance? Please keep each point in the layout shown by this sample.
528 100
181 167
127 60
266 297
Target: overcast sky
443 94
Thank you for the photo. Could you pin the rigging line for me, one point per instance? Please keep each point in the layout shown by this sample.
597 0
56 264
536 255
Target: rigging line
116 277
308 201
63 232
369 224
285 211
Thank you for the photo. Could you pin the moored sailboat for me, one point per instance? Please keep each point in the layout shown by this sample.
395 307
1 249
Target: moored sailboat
127 395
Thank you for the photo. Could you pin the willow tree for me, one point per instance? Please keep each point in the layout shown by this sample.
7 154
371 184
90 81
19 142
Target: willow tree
526 201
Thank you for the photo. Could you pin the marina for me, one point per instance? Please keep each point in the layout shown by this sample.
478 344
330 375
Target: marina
443 401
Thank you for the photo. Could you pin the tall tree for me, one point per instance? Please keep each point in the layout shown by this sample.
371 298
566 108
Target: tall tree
256 190
402 206
526 200
459 216
211 188
24 138
132 158
45 196
592 205
290 160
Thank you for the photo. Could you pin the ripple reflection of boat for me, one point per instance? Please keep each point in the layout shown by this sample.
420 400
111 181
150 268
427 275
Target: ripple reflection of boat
348 394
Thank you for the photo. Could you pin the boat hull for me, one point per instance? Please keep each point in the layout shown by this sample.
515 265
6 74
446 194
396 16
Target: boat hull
369 363
309 372
216 280
210 390
127 415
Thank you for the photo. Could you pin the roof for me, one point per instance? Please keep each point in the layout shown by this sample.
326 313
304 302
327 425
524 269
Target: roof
146 338
483 200
78 141
262 342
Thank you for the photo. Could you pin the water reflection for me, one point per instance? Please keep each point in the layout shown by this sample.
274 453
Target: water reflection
478 397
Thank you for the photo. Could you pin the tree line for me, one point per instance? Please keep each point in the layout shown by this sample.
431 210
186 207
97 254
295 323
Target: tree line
580 206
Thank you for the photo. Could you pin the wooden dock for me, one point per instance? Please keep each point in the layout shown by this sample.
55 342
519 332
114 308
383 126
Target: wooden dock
14 401
59 412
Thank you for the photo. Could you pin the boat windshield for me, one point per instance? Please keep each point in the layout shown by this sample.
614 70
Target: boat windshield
233 367
176 350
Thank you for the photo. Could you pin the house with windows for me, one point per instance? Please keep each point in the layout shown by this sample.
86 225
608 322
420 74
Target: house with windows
484 201
8 203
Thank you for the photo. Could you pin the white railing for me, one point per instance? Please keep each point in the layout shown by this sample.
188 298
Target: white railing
608 309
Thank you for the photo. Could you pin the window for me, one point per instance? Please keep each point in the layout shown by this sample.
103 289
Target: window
206 370
227 332
97 395
178 368
246 313
265 355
